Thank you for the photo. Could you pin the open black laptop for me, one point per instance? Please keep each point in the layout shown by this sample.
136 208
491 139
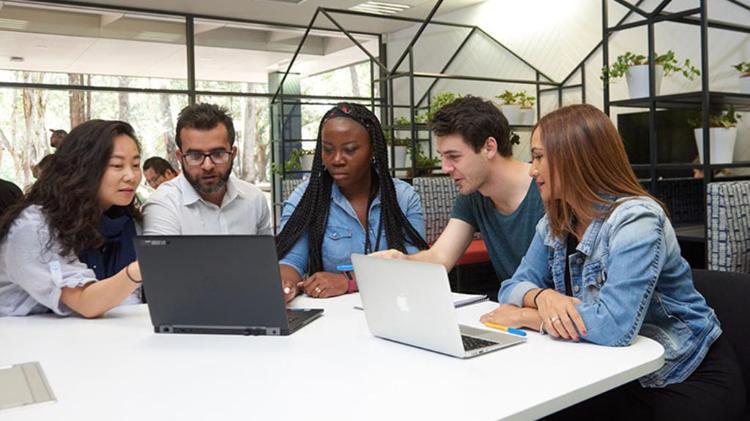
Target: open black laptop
222 284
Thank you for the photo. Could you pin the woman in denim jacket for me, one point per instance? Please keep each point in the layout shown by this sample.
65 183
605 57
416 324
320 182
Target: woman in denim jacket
605 266
350 205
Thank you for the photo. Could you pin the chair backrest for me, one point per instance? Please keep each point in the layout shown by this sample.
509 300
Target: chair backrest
437 194
683 198
288 186
727 293
729 226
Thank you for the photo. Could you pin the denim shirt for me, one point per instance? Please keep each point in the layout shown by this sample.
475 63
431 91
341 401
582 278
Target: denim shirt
631 279
344 233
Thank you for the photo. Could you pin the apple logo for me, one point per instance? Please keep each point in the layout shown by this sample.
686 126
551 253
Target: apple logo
402 302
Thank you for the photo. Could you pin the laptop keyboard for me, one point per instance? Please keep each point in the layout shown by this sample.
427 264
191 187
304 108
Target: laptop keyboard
292 316
471 343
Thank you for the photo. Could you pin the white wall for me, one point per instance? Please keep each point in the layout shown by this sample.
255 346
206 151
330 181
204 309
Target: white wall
556 35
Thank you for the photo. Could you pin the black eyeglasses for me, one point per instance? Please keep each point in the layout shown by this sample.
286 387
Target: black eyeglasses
218 157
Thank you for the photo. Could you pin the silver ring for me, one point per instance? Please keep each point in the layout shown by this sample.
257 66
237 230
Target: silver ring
554 319
318 290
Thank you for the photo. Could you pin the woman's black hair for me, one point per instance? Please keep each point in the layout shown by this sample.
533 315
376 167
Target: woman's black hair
311 213
67 190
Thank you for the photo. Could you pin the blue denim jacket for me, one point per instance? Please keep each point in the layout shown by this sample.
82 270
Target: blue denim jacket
344 233
631 279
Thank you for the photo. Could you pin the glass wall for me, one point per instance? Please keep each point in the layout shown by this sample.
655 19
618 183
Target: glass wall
67 64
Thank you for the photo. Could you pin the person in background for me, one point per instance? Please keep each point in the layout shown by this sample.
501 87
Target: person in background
206 198
605 267
9 194
350 204
157 170
57 137
67 246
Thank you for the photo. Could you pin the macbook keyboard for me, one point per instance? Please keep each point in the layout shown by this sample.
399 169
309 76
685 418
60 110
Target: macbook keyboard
471 343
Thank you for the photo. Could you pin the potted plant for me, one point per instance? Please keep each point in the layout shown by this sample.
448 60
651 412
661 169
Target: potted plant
400 149
635 68
510 107
300 159
744 69
424 164
438 101
722 135
526 102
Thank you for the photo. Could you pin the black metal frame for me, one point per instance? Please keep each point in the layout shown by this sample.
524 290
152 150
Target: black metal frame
705 100
385 78
191 92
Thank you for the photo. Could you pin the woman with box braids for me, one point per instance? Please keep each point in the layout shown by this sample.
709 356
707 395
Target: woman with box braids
348 203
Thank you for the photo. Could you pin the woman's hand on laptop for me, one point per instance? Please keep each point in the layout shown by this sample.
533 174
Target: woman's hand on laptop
325 284
389 254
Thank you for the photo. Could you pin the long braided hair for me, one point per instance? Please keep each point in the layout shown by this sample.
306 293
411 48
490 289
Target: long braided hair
311 213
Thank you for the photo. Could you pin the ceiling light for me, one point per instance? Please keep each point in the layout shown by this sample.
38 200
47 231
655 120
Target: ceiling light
380 8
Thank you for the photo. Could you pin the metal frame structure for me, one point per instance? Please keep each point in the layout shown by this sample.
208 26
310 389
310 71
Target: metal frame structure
191 92
387 75
704 100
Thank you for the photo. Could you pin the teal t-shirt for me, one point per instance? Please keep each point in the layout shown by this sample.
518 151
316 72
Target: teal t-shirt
507 236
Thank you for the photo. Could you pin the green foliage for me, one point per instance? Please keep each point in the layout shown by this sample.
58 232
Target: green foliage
517 98
397 141
743 67
508 98
439 101
424 163
668 62
402 121
726 119
525 100
294 163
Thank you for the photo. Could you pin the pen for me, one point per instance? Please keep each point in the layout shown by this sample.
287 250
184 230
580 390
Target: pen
347 270
505 328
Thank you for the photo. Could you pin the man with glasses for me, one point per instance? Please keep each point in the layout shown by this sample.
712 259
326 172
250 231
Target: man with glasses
206 198
157 170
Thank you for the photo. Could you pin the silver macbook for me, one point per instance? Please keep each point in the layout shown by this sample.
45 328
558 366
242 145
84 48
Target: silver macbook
411 303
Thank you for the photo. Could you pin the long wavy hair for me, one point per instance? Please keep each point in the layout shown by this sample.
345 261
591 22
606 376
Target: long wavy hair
587 158
67 189
311 213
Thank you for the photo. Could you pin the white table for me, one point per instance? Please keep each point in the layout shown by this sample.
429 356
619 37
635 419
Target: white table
116 368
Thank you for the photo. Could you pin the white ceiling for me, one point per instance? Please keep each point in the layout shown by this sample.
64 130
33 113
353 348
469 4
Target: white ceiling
100 42
276 11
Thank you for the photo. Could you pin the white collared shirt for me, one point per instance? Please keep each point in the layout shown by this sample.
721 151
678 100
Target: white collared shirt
177 209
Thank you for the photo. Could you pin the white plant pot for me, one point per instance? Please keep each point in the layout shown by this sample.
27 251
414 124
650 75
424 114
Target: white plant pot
512 112
399 156
306 162
527 116
722 144
745 84
637 77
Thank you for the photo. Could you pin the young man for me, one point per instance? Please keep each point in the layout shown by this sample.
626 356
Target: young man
206 198
157 170
497 195
9 194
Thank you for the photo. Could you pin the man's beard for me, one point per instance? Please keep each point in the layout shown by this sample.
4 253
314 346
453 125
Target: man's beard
219 186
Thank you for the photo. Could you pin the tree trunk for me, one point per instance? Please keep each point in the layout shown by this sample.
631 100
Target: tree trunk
170 147
34 140
123 100
77 101
249 136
